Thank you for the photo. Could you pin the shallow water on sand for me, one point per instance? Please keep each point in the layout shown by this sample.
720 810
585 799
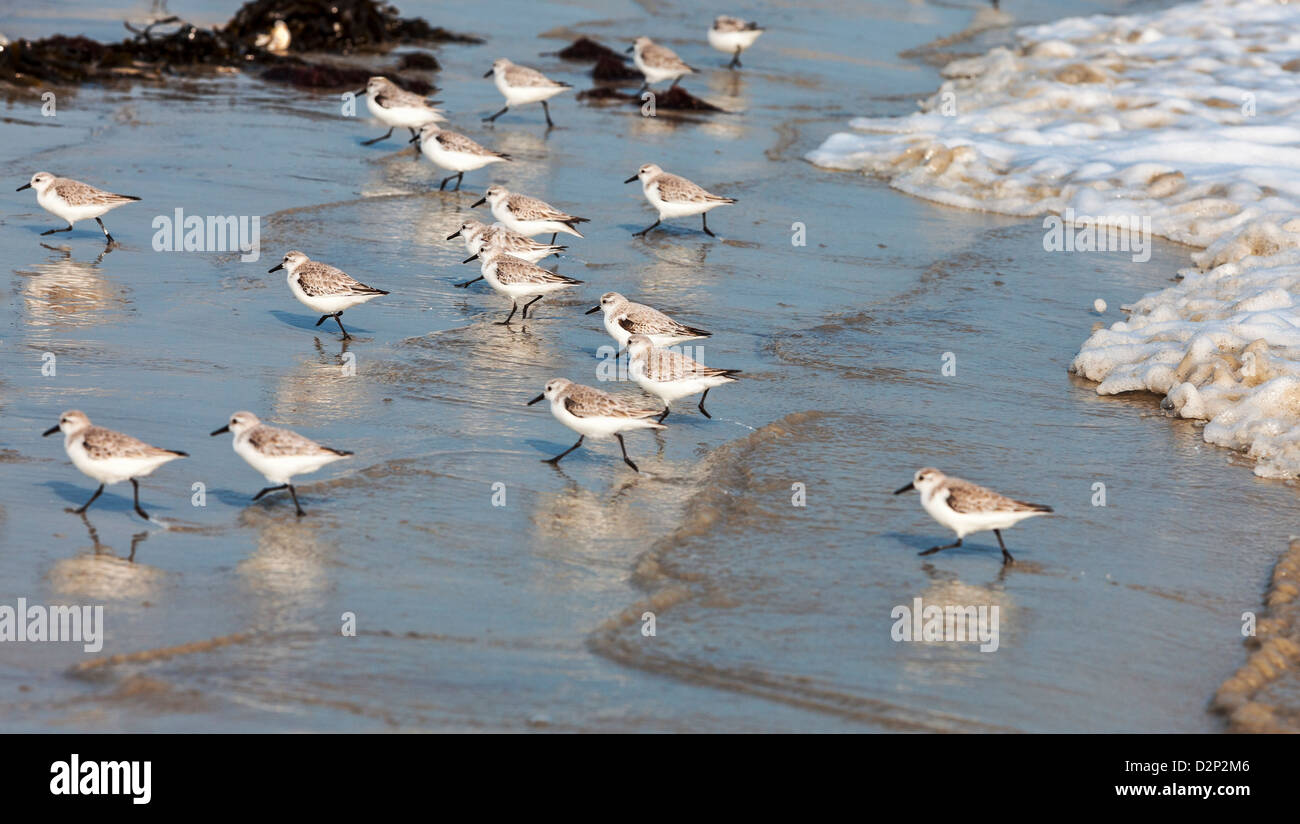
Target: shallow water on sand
528 615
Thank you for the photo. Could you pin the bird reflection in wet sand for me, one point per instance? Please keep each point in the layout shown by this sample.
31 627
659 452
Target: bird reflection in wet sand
102 573
67 293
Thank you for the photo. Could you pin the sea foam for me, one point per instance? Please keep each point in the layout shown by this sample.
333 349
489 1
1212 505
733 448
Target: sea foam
1190 117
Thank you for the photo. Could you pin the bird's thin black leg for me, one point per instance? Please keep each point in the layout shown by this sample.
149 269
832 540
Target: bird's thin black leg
735 60
530 303
513 307
493 118
621 446
664 415
459 177
107 237
338 318
554 235
377 139
323 318
468 282
87 504
136 485
705 218
296 505
704 411
935 549
1006 556
648 228
547 109
259 495
56 231
556 459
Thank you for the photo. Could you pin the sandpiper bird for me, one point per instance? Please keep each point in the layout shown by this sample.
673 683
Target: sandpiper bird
478 234
455 152
623 319
965 507
670 375
278 454
73 200
518 279
732 36
657 63
107 456
322 288
527 215
520 85
589 411
675 196
395 107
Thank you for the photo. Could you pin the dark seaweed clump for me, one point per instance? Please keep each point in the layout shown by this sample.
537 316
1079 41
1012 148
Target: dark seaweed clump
613 70
586 50
675 99
340 26
171 45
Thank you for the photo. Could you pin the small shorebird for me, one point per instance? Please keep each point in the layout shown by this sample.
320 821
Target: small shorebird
455 152
520 85
591 412
732 36
670 375
478 234
965 507
278 454
395 107
107 456
657 63
73 200
322 288
675 196
518 279
527 215
623 319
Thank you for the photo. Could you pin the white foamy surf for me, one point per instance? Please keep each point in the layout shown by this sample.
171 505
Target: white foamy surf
1189 117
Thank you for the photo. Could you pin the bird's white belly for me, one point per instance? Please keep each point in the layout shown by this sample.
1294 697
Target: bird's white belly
56 206
113 470
454 161
596 427
617 332
326 304
729 41
653 74
280 469
409 117
520 95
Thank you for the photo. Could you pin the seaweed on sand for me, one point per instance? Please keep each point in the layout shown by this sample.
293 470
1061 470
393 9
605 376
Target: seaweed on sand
173 45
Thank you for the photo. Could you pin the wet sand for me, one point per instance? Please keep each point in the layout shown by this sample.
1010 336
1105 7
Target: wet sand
527 616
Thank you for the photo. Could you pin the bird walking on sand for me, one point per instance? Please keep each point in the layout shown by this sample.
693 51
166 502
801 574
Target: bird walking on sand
670 375
107 456
278 454
593 413
658 63
732 35
397 108
527 215
965 507
675 196
455 152
322 288
73 200
521 85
